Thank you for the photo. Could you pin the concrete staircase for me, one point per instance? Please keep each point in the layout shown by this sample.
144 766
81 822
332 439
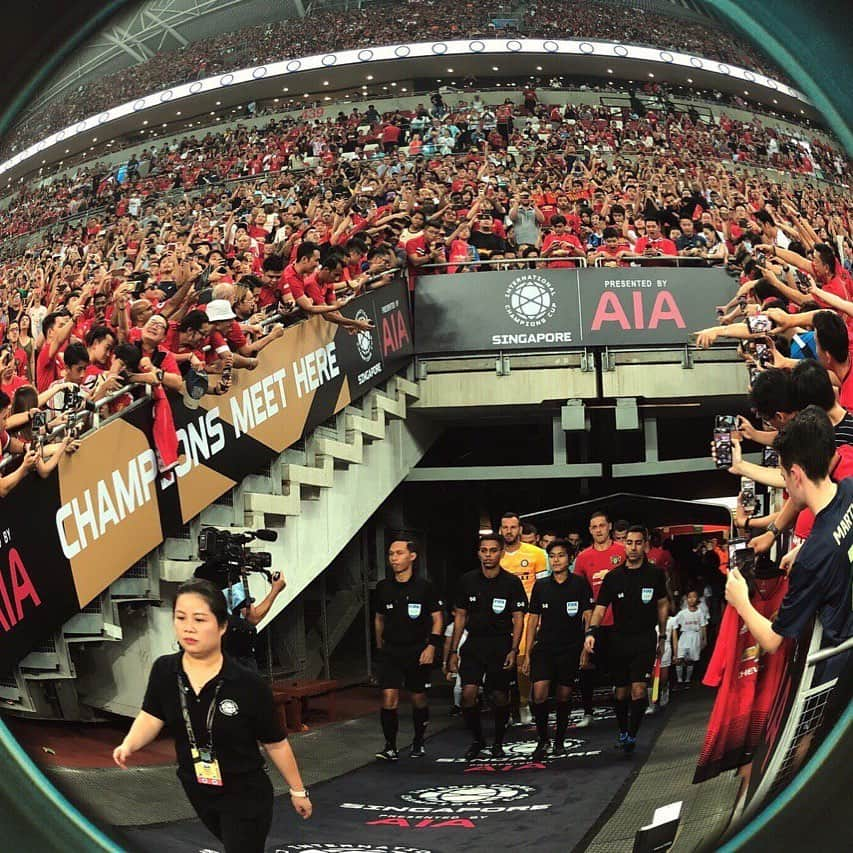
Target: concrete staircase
317 495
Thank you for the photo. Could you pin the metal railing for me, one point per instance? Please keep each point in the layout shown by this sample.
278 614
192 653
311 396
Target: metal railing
503 263
655 260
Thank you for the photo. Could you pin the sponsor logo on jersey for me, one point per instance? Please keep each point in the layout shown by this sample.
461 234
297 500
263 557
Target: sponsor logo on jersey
572 608
498 605
414 610
646 594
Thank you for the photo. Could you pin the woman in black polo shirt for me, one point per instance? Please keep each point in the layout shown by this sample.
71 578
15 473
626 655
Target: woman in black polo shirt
217 712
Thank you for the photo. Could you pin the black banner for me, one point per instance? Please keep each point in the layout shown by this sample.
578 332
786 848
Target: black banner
565 308
64 539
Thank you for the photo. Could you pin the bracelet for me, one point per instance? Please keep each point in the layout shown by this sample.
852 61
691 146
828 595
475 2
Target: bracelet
592 631
301 794
435 640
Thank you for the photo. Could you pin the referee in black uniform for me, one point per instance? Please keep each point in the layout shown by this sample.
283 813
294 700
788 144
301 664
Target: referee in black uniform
560 609
490 603
408 622
637 593
217 712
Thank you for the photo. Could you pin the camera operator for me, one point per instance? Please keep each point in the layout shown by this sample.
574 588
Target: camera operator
243 619
217 713
820 579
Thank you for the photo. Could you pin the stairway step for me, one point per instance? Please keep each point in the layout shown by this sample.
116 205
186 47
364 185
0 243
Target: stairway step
340 450
322 476
394 408
406 386
177 571
375 428
273 504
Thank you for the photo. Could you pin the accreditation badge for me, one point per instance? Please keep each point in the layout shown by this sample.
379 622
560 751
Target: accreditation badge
647 593
206 768
414 610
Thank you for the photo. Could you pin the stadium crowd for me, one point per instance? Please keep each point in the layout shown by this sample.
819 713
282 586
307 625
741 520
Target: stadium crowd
338 29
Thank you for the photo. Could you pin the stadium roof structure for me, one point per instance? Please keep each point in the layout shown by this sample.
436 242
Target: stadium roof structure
158 25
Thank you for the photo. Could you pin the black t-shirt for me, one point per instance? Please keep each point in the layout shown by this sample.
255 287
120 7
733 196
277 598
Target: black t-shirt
245 714
560 607
633 594
407 609
487 244
820 581
490 602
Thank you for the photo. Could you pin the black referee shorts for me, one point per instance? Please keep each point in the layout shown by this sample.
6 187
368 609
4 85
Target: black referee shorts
559 666
632 657
483 658
399 667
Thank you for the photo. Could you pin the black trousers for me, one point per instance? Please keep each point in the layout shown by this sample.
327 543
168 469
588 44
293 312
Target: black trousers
240 817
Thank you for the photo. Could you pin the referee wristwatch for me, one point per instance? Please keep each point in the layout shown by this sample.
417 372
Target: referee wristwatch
772 528
302 795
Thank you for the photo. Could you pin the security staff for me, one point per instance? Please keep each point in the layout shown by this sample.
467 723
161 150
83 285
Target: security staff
490 603
217 712
560 609
637 594
408 624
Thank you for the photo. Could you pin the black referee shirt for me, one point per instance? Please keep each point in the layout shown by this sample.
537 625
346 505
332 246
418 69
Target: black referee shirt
244 715
560 607
490 602
633 594
407 610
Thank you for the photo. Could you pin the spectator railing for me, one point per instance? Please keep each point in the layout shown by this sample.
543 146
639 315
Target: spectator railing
655 260
514 263
806 721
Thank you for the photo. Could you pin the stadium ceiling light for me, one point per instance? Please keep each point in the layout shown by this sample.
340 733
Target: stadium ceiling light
305 95
219 103
775 101
650 74
165 124
495 68
213 113
449 70
689 79
538 67
404 89
43 162
285 89
325 82
609 70
393 84
369 77
145 122
178 113
327 98
275 101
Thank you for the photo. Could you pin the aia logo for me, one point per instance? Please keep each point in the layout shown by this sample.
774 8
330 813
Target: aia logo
395 335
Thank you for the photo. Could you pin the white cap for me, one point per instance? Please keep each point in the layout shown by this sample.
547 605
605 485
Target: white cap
219 309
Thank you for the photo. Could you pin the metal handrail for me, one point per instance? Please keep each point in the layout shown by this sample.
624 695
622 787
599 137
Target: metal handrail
687 260
832 651
511 262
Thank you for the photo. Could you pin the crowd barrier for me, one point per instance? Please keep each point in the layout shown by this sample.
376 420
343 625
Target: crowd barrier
64 539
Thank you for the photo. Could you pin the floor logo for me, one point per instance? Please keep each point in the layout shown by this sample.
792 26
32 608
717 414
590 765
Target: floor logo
364 339
348 848
468 795
530 300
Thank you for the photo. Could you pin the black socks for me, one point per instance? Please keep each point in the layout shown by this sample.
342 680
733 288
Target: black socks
390 724
622 714
540 716
501 719
562 721
472 720
587 680
638 711
420 717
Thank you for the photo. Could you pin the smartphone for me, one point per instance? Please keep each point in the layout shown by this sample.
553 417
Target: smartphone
747 494
723 447
725 422
754 373
803 283
759 323
763 355
770 458
742 558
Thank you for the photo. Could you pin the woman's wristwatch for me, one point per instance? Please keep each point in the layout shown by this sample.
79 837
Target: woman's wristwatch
303 795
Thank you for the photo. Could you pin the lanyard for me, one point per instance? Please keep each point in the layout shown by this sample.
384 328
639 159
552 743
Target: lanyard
186 715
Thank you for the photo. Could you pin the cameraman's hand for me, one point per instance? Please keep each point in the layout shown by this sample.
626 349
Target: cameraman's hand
278 582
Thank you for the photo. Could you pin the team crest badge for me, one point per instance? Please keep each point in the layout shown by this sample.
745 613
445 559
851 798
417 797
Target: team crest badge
647 594
572 608
614 561
524 564
414 610
498 605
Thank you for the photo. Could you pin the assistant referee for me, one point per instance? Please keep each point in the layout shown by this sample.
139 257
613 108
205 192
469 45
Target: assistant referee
217 711
490 603
636 592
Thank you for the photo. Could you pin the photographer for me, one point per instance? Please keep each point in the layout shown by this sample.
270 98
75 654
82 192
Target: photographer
243 620
218 713
820 579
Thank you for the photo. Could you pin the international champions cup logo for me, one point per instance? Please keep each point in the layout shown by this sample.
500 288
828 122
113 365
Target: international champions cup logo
530 300
468 795
364 339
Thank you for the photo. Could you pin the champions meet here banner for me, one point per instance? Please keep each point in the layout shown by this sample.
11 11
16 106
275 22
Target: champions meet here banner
565 308
64 539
